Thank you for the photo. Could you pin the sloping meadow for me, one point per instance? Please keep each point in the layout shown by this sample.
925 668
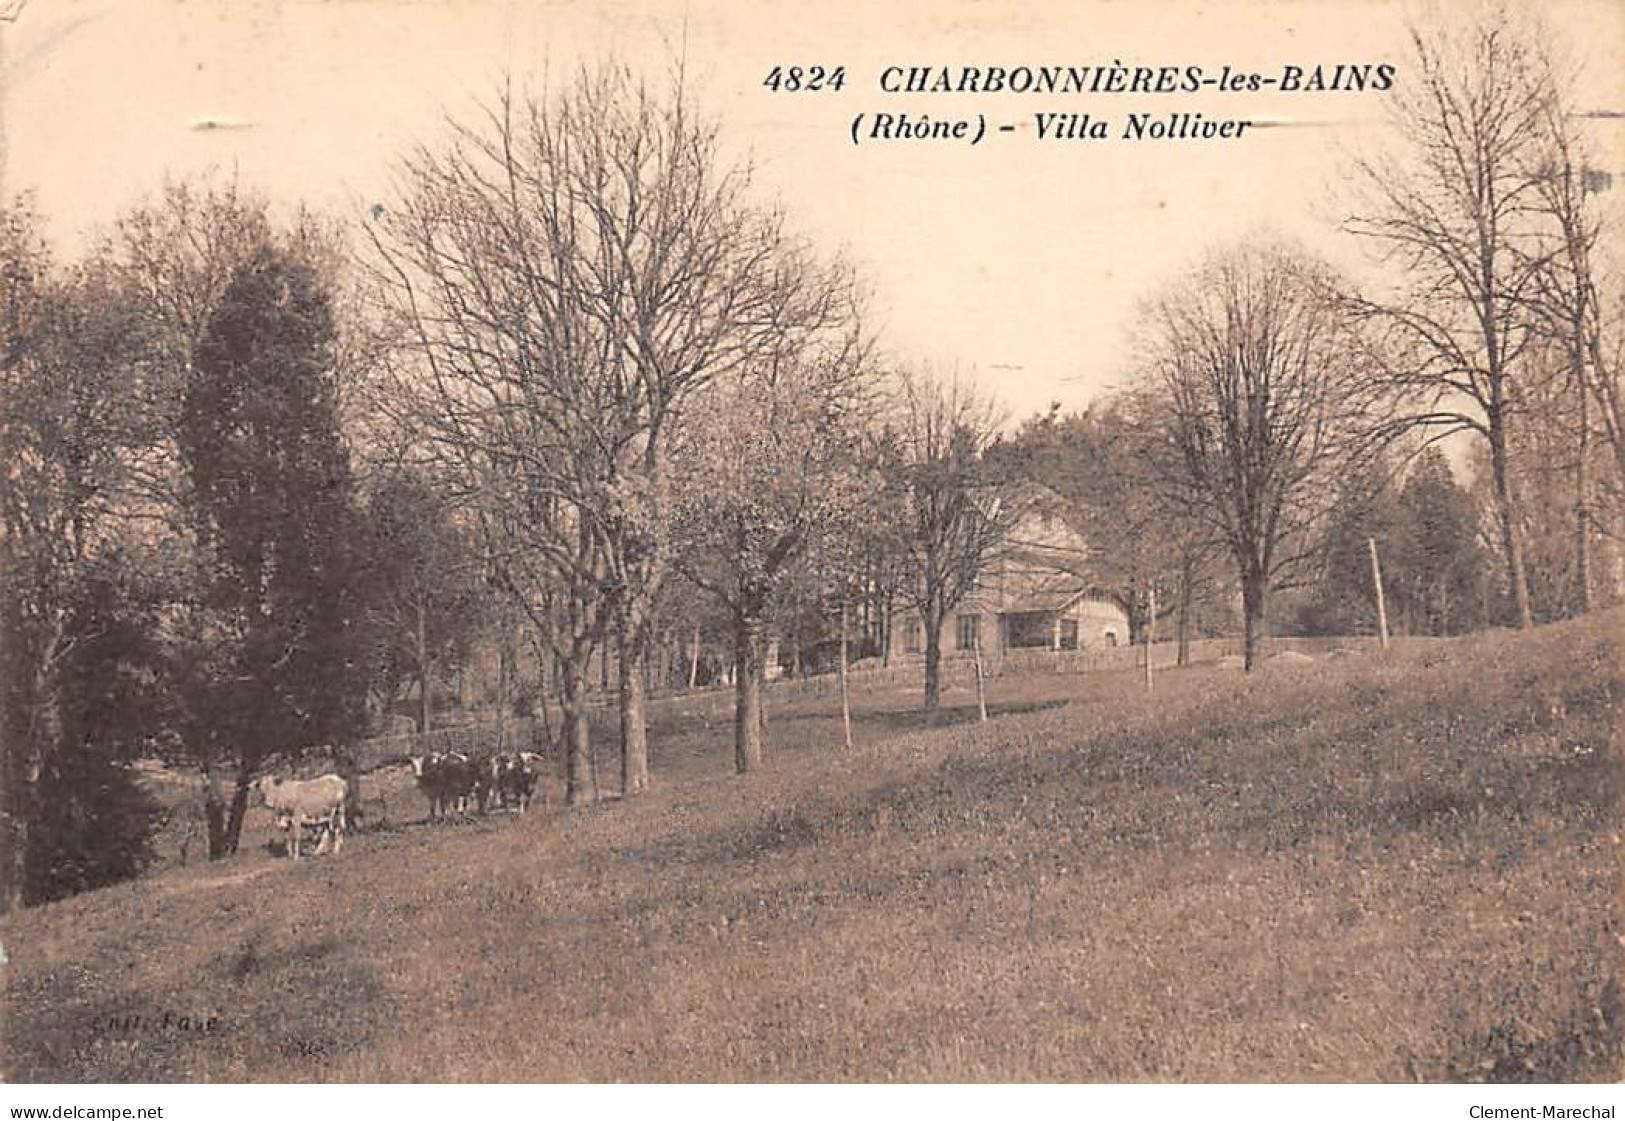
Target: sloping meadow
1380 867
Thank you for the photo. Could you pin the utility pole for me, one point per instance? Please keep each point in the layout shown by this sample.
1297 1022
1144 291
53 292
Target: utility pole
1579 317
846 697
981 687
1582 563
1382 602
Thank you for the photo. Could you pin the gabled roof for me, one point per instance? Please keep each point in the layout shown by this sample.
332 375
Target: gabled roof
1043 563
1046 603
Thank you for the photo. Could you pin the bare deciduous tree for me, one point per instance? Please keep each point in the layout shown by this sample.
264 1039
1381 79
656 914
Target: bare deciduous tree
569 270
1262 405
957 513
69 424
1452 212
770 466
1567 308
1607 383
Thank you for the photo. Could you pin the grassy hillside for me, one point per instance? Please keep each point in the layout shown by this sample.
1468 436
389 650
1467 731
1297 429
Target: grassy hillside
1370 868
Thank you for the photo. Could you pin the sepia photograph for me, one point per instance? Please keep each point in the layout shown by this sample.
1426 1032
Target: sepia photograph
955 542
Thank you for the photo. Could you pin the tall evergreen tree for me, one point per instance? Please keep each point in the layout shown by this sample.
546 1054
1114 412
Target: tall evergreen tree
1440 555
1342 599
273 506
1434 563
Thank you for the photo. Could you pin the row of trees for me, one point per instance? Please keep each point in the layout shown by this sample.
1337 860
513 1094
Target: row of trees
630 372
1276 407
267 477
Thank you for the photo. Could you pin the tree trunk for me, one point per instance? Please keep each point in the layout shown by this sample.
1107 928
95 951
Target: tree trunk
1582 534
1182 620
16 747
634 728
14 805
1506 516
887 620
1134 614
505 660
16 862
580 785
422 637
761 686
981 685
748 713
794 635
1150 633
868 619
933 655
1606 392
239 806
694 658
40 736
1381 596
652 668
547 721
544 662
214 814
1252 608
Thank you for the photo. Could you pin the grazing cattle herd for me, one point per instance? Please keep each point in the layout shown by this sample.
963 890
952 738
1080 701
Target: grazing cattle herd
455 783
451 781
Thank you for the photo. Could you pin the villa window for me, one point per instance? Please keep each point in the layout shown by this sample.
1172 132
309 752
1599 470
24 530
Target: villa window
969 625
913 637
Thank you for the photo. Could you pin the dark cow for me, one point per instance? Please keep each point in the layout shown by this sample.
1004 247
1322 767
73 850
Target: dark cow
451 782
426 770
513 782
476 782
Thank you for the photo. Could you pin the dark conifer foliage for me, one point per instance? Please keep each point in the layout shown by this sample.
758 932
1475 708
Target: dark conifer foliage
93 822
273 505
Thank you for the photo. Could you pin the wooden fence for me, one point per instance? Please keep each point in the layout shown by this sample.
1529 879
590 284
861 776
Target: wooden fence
476 740
716 702
960 670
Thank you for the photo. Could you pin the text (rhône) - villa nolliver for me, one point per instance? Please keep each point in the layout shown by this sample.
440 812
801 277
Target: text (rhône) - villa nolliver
1058 127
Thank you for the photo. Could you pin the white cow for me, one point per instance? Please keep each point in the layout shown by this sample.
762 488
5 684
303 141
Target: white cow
301 802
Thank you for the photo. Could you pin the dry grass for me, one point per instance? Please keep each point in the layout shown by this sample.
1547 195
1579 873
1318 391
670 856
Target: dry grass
1371 869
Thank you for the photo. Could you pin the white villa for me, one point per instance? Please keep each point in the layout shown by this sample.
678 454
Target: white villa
1037 593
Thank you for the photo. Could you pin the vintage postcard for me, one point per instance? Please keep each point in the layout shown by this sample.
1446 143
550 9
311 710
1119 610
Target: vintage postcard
969 541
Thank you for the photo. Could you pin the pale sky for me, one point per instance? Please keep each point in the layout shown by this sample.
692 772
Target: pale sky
1021 260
